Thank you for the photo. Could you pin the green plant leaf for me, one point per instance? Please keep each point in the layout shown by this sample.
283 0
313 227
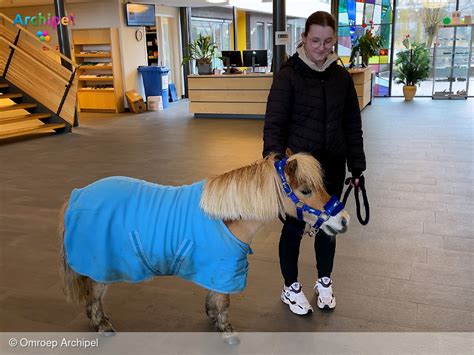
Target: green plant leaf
203 50
412 64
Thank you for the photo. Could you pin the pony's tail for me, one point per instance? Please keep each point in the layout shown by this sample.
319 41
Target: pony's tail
76 287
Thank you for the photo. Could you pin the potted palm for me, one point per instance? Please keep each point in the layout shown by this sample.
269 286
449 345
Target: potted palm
412 66
202 50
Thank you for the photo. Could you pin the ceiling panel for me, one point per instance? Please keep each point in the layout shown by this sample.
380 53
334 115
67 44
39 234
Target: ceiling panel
174 3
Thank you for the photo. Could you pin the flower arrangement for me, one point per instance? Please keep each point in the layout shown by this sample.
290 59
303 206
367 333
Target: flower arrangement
368 45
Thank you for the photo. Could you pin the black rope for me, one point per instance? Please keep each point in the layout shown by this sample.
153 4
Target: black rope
361 185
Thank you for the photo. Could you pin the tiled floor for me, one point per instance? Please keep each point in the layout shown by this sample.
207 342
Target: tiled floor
410 269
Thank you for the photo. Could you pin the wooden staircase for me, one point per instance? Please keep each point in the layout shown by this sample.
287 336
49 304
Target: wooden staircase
38 94
21 116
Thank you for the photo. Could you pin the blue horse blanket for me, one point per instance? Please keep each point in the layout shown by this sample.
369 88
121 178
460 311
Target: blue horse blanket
124 229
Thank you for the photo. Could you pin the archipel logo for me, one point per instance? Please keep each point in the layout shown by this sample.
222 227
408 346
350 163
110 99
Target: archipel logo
39 20
43 36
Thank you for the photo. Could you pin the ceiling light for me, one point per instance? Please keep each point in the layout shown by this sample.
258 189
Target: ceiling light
434 4
217 1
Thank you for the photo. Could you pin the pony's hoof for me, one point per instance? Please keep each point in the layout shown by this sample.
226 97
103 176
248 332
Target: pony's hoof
231 338
107 332
106 329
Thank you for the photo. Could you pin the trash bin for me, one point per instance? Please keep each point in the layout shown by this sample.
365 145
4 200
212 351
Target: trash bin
155 81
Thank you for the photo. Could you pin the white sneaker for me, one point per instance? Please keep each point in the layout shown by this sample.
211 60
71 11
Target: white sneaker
294 297
323 289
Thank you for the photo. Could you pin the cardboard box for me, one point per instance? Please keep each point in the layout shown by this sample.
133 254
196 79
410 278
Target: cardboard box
135 102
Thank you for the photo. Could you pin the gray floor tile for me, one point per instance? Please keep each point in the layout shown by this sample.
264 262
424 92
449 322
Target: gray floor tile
373 250
459 244
438 319
450 228
450 258
446 275
418 170
432 294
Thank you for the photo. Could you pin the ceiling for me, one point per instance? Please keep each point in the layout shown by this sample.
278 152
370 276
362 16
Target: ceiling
174 3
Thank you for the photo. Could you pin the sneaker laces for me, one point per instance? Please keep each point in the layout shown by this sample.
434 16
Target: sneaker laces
324 287
325 281
295 293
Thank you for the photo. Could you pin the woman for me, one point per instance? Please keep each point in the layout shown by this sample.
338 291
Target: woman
313 107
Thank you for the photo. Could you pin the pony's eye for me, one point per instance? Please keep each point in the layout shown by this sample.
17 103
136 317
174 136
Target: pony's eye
306 192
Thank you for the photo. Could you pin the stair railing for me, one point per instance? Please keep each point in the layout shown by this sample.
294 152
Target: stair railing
23 62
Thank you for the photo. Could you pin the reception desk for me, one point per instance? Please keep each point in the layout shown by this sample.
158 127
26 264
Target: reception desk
245 95
237 95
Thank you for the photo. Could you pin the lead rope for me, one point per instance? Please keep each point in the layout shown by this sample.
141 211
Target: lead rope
361 185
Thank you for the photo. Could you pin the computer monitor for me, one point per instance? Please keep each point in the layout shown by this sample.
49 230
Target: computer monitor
232 58
255 58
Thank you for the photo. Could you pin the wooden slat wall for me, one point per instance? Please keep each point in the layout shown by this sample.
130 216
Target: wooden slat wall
244 95
69 107
117 70
228 108
35 80
38 54
84 36
227 82
228 95
39 75
4 52
362 84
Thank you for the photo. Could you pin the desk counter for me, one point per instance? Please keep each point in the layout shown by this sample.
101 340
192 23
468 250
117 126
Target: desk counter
239 95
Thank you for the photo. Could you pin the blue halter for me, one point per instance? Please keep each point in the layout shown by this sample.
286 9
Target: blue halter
331 208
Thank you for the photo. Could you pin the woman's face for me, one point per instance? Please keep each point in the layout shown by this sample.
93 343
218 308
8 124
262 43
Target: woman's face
318 42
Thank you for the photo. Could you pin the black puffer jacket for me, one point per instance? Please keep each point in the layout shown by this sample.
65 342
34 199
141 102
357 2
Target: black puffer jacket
315 112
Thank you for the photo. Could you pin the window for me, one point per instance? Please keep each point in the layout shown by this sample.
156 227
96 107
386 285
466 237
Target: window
218 29
295 27
260 35
270 42
354 15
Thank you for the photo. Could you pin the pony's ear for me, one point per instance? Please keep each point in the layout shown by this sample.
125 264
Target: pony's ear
288 152
290 169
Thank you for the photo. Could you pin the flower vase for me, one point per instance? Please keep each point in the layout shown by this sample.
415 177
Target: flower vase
204 68
365 60
409 92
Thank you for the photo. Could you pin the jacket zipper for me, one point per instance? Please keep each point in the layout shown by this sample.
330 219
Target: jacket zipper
323 143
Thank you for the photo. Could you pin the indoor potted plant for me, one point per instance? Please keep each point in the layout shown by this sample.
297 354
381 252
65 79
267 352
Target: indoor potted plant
412 66
367 45
202 50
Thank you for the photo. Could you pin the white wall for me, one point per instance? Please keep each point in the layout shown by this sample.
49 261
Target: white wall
110 13
133 53
175 45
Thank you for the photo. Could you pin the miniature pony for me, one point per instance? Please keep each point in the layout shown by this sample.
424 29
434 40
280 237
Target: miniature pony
121 229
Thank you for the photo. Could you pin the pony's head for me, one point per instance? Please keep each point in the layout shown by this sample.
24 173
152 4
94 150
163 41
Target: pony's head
305 192
255 192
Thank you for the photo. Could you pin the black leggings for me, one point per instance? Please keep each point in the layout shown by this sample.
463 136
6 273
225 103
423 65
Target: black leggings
324 245
289 250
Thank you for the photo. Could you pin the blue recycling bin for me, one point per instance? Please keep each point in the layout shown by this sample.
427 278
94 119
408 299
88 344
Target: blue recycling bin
155 81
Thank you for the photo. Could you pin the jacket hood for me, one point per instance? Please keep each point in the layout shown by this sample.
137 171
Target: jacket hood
331 58
300 57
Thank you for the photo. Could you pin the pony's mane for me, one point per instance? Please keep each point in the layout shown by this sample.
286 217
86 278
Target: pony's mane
254 192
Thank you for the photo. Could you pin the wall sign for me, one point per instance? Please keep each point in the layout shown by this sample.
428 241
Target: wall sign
282 38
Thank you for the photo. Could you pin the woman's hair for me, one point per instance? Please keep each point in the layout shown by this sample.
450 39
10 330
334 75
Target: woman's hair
321 18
